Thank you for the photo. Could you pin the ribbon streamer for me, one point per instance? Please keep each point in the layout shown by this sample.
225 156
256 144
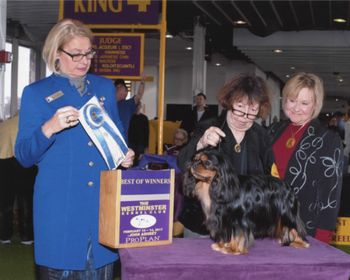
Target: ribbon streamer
95 118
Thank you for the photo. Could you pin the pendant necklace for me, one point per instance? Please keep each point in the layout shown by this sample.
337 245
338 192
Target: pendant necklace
291 140
237 148
238 136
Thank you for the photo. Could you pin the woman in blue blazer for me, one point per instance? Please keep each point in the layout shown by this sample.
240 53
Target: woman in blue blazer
66 195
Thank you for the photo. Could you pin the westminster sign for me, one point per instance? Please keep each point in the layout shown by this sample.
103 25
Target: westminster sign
136 208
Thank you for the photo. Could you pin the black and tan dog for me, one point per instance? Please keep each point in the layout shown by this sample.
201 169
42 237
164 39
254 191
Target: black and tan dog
241 208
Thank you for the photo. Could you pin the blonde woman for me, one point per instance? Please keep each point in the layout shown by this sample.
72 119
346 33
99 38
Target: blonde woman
66 192
308 155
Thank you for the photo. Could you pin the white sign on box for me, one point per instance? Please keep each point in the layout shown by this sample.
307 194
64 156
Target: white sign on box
103 132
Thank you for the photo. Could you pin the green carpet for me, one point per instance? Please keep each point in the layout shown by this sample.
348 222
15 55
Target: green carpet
344 248
17 262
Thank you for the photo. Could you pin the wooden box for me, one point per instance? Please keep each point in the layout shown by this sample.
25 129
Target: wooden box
136 208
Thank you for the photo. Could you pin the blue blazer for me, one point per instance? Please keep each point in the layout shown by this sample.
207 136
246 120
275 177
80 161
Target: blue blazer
67 187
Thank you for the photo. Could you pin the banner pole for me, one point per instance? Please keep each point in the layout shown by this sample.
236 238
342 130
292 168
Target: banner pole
161 78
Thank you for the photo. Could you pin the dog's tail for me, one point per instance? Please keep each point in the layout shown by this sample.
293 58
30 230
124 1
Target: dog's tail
293 230
300 226
291 222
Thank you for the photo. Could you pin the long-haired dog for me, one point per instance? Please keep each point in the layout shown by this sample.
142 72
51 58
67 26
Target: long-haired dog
241 208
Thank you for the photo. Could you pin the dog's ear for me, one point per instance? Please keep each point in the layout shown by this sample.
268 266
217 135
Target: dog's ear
188 183
227 171
226 182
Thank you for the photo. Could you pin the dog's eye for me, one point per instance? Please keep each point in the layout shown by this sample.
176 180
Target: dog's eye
207 163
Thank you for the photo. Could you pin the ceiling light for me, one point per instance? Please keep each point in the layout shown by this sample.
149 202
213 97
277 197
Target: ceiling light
340 80
189 48
217 64
336 99
239 22
292 68
278 51
339 20
287 76
169 36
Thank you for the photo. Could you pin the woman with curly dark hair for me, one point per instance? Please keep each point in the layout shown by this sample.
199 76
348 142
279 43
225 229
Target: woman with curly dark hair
244 99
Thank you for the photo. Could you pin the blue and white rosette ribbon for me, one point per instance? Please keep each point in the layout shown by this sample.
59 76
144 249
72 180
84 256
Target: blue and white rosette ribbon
106 136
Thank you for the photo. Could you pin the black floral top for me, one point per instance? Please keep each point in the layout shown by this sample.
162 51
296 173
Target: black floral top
315 173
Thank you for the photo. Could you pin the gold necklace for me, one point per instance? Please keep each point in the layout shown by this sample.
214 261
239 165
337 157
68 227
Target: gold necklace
237 148
238 136
291 140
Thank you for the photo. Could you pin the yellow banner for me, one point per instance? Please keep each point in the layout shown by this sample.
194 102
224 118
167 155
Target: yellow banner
342 235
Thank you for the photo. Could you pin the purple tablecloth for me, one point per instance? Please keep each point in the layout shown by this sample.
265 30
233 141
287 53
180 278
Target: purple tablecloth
189 258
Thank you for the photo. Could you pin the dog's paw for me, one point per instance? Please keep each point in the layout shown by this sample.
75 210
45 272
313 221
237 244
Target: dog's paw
299 243
228 248
216 247
230 251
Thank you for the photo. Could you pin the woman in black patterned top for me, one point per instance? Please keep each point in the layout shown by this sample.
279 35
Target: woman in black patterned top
308 155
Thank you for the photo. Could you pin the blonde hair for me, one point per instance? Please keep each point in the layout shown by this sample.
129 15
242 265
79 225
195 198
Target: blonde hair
183 132
63 32
304 80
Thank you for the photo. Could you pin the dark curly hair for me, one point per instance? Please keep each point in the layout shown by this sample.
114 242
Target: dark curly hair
254 88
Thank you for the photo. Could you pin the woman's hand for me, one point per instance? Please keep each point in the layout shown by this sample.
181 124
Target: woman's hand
64 117
211 137
129 159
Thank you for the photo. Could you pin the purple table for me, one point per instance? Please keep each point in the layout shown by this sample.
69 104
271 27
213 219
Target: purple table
189 258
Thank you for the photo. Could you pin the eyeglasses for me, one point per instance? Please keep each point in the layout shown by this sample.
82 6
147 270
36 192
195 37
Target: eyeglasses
79 56
242 114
